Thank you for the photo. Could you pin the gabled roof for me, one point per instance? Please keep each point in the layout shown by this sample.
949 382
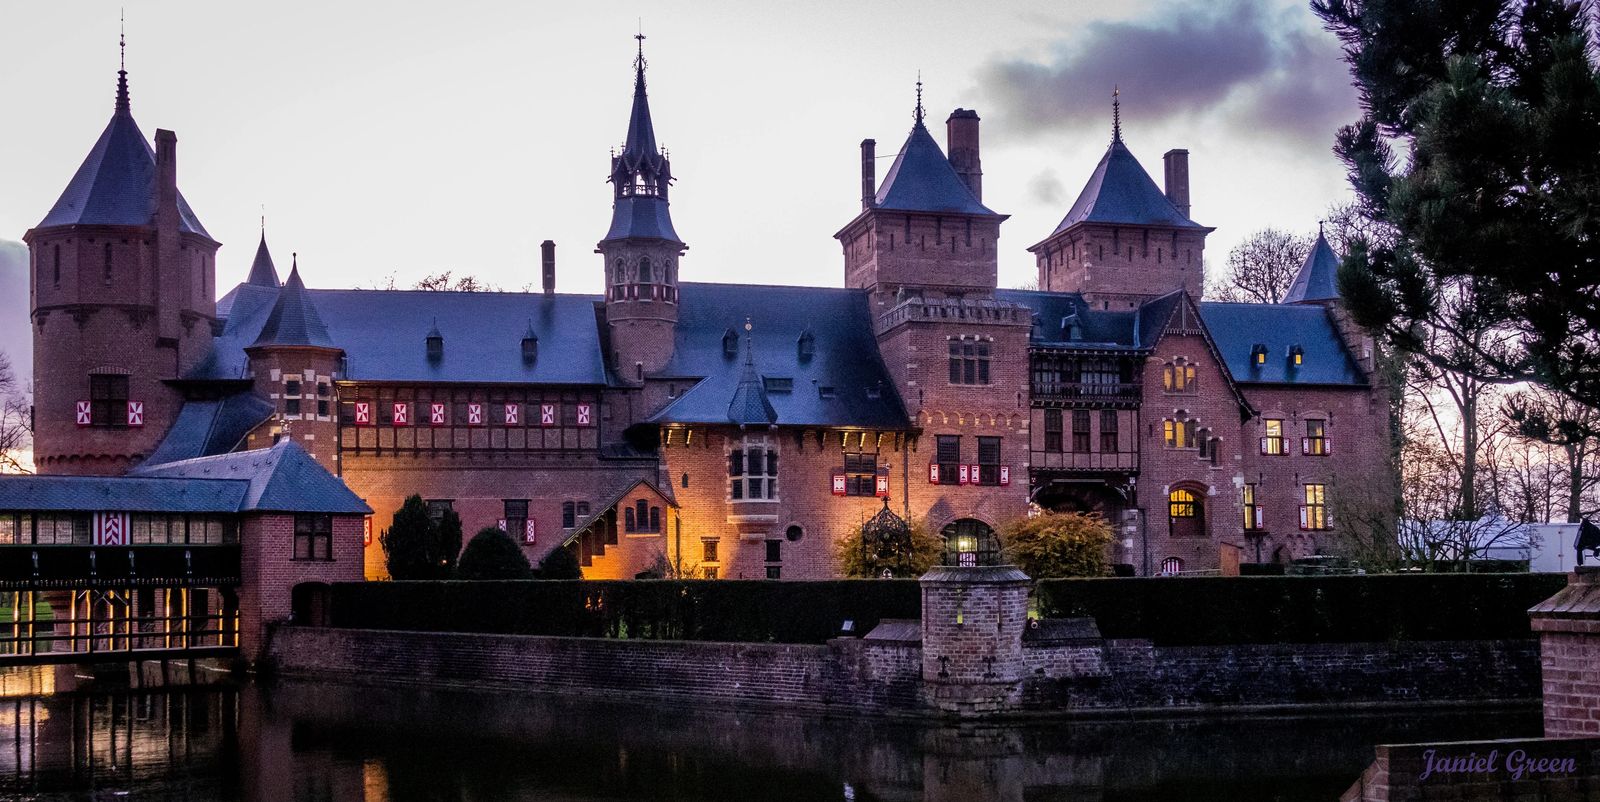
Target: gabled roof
207 428
263 273
382 335
1119 191
116 184
1318 277
1057 316
294 319
922 180
1238 328
611 503
283 478
843 382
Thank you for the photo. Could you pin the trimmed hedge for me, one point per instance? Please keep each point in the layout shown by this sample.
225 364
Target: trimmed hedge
1304 609
710 610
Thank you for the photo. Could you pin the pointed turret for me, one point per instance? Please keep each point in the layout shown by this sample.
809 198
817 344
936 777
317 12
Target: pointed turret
294 319
262 272
640 174
750 405
1317 281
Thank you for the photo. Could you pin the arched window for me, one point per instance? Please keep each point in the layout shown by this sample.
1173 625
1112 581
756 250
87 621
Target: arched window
1186 513
645 273
619 272
1171 566
968 541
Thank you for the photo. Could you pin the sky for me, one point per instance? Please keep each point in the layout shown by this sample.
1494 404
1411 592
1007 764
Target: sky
399 139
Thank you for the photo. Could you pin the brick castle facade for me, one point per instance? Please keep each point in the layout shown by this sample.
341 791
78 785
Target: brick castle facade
734 430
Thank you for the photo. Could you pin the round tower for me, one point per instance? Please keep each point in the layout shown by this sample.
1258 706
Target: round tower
641 250
123 283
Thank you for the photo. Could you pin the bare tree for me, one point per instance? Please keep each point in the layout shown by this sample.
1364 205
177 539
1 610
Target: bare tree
1553 419
16 421
1261 268
447 281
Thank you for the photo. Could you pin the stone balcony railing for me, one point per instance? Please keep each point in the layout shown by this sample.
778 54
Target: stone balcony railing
967 311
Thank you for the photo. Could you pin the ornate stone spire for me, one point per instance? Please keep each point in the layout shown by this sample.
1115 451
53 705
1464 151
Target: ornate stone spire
122 69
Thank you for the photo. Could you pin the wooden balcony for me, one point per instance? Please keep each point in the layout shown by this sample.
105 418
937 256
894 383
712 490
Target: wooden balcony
38 567
1066 394
1101 462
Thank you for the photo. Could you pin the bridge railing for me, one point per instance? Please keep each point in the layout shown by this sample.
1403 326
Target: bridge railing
39 567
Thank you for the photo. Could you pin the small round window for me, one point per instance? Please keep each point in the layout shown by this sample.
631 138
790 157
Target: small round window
794 533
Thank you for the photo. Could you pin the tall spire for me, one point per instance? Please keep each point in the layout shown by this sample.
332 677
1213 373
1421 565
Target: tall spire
919 114
1116 114
122 69
640 174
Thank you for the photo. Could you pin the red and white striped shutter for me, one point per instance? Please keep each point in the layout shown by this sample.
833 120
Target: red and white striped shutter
436 414
366 531
883 486
402 414
1005 475
1261 515
585 414
135 413
84 418
838 484
1305 517
933 473
1327 446
966 474
547 414
530 533
363 413
973 470
110 529
513 414
474 414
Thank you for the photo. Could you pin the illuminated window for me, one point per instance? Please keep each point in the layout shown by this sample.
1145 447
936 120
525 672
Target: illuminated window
1172 566
708 552
1181 504
1178 377
1185 513
970 542
1314 513
1272 437
1252 509
1316 442
1179 432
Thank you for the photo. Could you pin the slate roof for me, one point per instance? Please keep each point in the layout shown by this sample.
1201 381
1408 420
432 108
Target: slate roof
205 428
116 184
1119 191
263 273
845 357
1237 328
641 217
750 404
1054 312
119 494
283 478
1317 279
382 334
922 180
294 319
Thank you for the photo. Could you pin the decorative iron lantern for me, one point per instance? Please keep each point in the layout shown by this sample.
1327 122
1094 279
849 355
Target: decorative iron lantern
885 536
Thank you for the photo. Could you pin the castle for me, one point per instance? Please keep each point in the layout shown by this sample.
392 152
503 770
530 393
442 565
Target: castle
735 431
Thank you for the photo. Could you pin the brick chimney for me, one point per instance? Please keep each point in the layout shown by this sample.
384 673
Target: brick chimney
961 140
1177 179
869 176
547 259
172 281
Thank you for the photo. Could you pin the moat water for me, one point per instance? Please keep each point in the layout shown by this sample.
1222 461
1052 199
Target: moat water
317 742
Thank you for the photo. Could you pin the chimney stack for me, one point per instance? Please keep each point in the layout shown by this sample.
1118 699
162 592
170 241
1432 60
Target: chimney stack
961 142
547 257
172 281
1177 179
869 176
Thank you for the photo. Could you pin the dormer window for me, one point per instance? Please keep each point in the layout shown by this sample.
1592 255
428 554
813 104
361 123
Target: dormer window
435 344
730 344
530 347
1258 354
807 345
1297 356
779 384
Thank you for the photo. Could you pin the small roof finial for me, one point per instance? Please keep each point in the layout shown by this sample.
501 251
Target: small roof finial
1116 113
263 219
638 61
122 69
919 113
1319 228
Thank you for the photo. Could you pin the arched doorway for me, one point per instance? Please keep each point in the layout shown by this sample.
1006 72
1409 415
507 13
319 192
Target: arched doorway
969 541
1096 498
1186 512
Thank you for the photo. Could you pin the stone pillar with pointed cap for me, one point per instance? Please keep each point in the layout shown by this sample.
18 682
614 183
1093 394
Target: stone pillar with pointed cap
640 250
124 284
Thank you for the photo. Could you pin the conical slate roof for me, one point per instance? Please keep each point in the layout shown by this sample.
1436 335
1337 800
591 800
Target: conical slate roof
1121 192
922 180
294 319
639 151
263 273
116 184
750 404
636 214
1318 277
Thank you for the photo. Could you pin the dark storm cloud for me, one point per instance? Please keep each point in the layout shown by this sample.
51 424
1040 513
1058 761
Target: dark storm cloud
1271 70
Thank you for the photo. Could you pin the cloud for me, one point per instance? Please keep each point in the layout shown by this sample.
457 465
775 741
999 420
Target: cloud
16 336
1047 189
1263 70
